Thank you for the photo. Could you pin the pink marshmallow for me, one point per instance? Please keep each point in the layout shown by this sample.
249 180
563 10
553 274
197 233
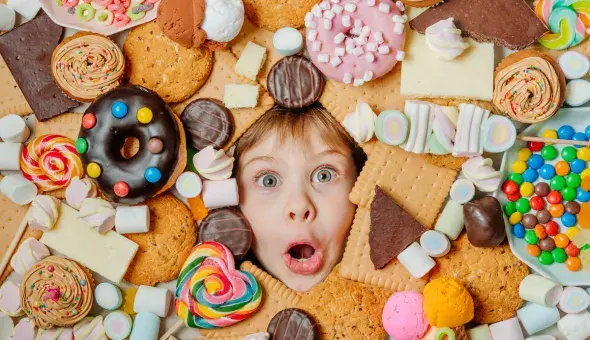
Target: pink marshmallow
219 194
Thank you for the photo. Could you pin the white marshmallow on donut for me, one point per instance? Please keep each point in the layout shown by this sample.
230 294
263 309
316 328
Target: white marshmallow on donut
416 260
130 220
337 9
535 317
152 300
540 290
18 189
574 300
316 46
575 326
108 296
219 194
10 156
13 128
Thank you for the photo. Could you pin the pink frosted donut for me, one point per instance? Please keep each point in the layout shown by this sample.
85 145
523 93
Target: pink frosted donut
355 41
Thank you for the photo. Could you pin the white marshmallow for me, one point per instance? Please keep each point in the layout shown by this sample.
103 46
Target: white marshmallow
335 61
383 49
325 6
327 24
310 24
360 41
312 35
308 16
378 36
152 300
323 58
287 41
316 46
10 156
316 10
400 5
398 28
385 8
358 82
368 76
507 330
347 79
13 128
340 51
416 260
350 7
400 55
535 318
540 290
481 332
339 38
219 194
18 189
370 57
358 51
7 18
371 46
337 9
130 220
366 31
346 21
370 3
358 24
451 221
26 8
329 15
146 326
575 326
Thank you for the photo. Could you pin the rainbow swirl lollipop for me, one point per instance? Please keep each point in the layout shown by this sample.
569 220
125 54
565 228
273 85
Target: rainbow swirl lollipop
567 20
210 293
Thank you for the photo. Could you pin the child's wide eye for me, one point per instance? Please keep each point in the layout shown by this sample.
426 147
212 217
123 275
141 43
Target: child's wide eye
268 181
323 175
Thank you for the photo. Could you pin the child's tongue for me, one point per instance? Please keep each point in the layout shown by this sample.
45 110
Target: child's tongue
302 251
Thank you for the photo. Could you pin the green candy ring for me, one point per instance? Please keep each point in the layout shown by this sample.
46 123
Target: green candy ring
444 333
85 12
133 16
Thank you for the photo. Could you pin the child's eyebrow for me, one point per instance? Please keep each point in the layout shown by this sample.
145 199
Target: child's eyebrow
268 159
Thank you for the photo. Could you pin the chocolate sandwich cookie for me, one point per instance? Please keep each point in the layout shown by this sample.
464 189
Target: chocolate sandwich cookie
294 82
229 227
119 114
207 122
293 324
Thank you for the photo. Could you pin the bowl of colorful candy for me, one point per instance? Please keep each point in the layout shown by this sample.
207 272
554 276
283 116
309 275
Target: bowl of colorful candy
545 195
106 17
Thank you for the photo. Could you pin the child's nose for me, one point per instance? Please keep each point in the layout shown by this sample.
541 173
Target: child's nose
301 212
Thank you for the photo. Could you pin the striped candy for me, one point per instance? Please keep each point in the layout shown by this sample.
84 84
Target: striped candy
567 20
210 293
50 161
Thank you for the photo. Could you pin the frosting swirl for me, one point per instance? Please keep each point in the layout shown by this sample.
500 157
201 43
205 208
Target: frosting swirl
528 90
56 292
444 39
44 212
88 66
98 213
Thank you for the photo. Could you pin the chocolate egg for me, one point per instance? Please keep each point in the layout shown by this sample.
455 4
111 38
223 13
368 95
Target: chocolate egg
547 244
542 189
543 216
484 222
529 221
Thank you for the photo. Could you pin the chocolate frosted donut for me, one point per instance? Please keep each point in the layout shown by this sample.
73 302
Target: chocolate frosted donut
294 82
229 227
120 114
207 122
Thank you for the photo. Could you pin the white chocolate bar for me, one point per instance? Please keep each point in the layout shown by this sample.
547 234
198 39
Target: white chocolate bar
540 290
240 95
107 254
251 60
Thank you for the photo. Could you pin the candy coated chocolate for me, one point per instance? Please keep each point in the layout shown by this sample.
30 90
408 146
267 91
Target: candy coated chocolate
294 82
155 145
207 122
543 216
293 324
547 244
529 221
542 189
484 222
572 207
106 138
229 227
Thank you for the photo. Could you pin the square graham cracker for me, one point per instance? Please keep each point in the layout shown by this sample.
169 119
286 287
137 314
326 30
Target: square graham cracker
67 125
275 297
417 186
223 73
12 99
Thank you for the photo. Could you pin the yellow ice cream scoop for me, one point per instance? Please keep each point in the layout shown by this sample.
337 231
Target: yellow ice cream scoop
447 303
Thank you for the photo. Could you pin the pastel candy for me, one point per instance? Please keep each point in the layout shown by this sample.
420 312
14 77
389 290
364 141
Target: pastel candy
451 220
18 189
118 325
24 329
361 123
435 243
391 127
481 332
436 148
565 20
499 134
444 129
79 190
213 164
507 330
90 328
287 41
28 253
535 318
462 191
574 64
540 290
134 219
467 140
55 333
577 92
153 300
98 213
219 194
421 117
44 212
10 299
189 185
416 260
574 300
575 326
108 296
145 327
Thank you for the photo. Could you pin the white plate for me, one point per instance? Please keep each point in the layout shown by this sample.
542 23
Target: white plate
578 118
60 16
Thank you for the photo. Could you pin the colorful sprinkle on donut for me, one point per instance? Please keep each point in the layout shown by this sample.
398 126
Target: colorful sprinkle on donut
119 109
121 189
88 120
93 170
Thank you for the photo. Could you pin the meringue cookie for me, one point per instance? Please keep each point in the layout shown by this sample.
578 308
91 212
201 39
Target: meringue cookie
44 212
444 39
481 173
98 213
79 190
28 253
223 19
361 123
213 164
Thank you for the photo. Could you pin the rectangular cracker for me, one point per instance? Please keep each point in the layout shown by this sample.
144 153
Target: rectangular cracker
275 297
12 99
68 125
223 73
356 263
417 186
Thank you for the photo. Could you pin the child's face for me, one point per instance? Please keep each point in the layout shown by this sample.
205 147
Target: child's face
295 195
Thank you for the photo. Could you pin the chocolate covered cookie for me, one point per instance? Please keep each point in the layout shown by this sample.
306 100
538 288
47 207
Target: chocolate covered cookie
229 227
207 122
293 324
294 82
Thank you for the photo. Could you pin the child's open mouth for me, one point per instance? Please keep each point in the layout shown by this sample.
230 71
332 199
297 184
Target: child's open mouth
303 258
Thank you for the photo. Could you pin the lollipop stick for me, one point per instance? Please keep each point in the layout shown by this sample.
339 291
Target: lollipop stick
553 140
171 330
13 244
